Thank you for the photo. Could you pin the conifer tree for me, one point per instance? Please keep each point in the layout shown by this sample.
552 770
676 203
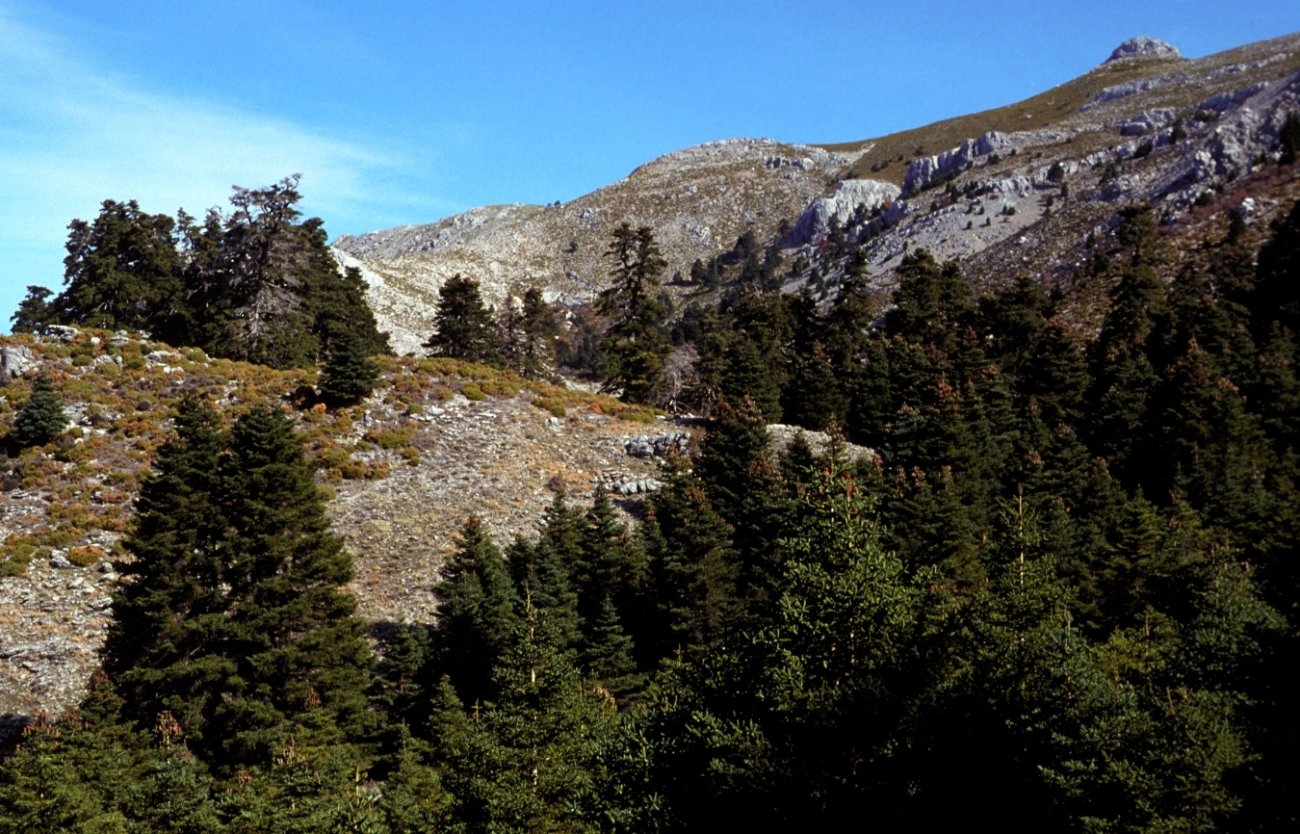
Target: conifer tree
164 650
122 271
608 656
692 571
300 652
536 353
634 345
611 565
476 613
932 304
744 485
815 396
262 286
546 730
41 418
349 374
1277 285
542 580
463 326
34 312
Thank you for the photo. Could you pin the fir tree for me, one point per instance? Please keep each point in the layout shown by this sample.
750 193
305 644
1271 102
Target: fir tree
463 327
692 572
288 651
476 613
536 353
608 656
611 563
34 312
164 650
546 732
122 271
41 418
349 375
634 346
744 486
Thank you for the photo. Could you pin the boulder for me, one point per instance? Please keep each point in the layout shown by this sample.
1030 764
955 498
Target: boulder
16 361
1147 121
62 332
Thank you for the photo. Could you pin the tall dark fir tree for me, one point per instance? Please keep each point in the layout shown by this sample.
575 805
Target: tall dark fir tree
634 346
236 625
462 325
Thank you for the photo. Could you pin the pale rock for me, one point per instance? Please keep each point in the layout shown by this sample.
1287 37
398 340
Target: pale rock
62 332
1222 102
849 195
1147 121
16 361
1143 47
924 172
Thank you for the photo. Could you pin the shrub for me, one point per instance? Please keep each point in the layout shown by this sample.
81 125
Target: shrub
85 555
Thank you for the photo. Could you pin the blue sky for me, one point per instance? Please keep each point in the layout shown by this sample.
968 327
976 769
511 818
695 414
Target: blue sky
405 112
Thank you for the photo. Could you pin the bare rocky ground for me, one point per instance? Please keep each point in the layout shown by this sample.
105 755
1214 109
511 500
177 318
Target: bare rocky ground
501 458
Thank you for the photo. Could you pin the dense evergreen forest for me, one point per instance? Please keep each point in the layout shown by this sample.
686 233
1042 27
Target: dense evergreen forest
1061 596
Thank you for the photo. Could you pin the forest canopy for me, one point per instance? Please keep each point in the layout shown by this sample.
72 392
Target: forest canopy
255 282
1061 590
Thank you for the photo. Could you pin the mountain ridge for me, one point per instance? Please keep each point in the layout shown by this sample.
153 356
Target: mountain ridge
698 200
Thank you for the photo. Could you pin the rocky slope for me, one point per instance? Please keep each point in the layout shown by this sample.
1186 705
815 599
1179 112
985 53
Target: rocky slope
1014 189
1030 188
698 201
437 442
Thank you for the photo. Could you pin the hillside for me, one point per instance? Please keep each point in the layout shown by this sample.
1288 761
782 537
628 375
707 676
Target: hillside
439 441
978 487
1029 189
1012 190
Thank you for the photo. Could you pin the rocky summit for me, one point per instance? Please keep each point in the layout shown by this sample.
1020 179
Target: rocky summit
1143 47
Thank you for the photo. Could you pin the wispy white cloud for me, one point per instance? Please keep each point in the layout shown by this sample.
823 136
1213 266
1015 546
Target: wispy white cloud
73 135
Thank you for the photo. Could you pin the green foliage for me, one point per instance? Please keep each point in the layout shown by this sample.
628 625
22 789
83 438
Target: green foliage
476 613
528 340
41 418
1055 592
255 284
122 271
463 326
235 626
692 570
349 374
634 345
34 311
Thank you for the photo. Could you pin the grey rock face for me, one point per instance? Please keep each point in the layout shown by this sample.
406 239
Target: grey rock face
924 172
659 446
1143 47
1147 122
63 332
16 361
849 196
1230 100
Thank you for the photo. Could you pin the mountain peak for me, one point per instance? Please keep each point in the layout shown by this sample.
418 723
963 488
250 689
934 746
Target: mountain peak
1143 47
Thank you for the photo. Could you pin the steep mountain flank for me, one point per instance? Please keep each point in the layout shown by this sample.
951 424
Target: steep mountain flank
698 201
1016 189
